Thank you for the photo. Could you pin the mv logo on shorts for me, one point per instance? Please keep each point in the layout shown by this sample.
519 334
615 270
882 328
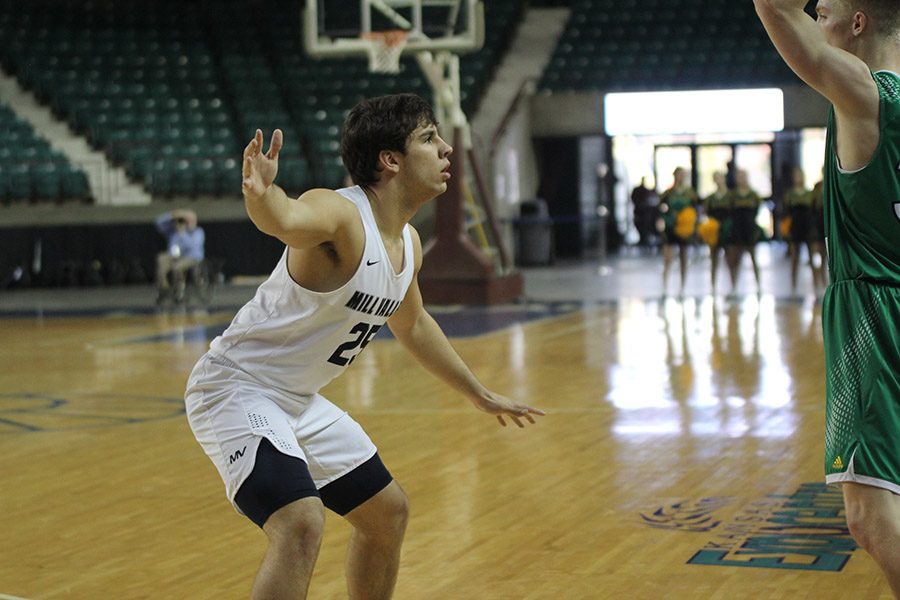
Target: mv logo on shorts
238 454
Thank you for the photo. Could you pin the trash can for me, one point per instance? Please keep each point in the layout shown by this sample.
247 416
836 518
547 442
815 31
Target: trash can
534 233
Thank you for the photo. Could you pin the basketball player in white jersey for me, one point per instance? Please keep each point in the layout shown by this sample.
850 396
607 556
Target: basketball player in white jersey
349 267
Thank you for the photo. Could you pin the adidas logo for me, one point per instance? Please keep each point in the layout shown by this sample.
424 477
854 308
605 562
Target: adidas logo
837 464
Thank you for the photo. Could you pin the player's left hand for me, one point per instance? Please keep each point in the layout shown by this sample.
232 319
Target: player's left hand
258 170
504 408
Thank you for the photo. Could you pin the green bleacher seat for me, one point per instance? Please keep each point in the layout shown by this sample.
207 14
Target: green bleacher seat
334 172
158 84
4 184
31 168
183 175
163 178
18 182
205 177
139 160
293 175
667 43
228 177
46 181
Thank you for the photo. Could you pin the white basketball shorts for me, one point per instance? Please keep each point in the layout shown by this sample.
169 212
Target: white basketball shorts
230 413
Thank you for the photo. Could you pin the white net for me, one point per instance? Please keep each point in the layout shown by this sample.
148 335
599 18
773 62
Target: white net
385 49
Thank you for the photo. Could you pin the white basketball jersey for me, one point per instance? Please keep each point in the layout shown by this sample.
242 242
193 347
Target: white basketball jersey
297 340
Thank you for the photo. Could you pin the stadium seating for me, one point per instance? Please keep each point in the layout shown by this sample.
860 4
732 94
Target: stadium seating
137 82
627 45
32 171
171 90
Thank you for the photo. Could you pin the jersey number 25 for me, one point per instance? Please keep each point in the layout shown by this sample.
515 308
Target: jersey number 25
364 334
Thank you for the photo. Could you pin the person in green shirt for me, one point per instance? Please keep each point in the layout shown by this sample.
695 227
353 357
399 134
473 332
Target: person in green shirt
676 205
852 57
817 230
798 204
744 233
718 206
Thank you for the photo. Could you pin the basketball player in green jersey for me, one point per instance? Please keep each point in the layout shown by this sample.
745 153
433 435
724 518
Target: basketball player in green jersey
852 57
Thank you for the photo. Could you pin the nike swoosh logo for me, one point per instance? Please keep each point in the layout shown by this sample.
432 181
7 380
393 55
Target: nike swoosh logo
369 263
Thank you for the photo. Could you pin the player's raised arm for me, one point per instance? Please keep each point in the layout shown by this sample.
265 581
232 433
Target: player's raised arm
805 45
423 338
318 216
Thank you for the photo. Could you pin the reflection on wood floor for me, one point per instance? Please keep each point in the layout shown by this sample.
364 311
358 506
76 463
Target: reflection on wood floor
680 458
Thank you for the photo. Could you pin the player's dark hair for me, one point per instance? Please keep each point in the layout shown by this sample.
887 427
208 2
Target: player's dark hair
376 124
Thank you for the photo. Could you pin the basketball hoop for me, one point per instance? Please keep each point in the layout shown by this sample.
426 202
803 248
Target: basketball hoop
385 49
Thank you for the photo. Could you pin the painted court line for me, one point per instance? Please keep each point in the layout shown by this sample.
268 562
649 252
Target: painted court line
8 597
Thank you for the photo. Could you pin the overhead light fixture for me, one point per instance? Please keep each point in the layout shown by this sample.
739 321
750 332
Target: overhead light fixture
701 111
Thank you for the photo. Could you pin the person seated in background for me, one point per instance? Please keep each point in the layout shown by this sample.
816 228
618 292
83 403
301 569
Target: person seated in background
184 251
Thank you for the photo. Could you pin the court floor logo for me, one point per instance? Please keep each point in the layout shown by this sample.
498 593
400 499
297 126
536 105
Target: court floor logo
25 412
806 530
694 516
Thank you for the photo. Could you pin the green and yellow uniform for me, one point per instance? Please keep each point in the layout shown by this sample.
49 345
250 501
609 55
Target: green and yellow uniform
672 202
744 208
861 310
718 207
817 223
798 205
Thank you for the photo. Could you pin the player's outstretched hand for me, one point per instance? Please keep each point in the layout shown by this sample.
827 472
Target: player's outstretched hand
504 408
258 170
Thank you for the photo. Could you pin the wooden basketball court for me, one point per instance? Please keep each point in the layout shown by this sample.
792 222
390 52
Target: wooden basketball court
680 458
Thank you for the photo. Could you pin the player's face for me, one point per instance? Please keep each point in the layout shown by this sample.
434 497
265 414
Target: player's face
427 161
835 17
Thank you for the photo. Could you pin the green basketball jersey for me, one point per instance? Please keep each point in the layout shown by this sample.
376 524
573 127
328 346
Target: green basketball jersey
861 310
862 208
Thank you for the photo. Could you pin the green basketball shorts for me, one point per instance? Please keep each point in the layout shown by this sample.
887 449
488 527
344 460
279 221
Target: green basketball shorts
861 324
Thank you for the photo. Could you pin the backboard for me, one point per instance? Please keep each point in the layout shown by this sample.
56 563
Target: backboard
334 28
